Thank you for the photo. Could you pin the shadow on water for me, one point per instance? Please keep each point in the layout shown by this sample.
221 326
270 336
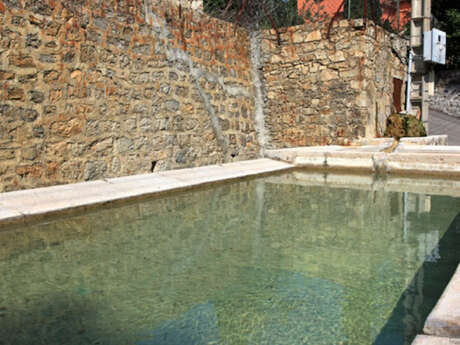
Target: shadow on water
424 291
58 322
55 321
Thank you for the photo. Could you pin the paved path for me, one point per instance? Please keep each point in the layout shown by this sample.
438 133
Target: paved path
440 123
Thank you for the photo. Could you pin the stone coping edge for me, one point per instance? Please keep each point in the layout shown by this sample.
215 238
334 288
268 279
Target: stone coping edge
441 139
444 319
443 162
32 204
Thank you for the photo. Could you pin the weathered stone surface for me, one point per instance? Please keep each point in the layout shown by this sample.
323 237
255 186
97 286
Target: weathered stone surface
105 93
15 94
322 92
93 93
33 41
313 36
94 170
21 61
6 75
36 96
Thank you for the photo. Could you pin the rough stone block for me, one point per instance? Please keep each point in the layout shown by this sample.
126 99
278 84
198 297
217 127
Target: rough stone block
21 61
15 94
313 36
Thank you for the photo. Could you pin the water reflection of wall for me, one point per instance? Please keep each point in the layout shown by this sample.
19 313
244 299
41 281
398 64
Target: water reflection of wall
409 231
424 227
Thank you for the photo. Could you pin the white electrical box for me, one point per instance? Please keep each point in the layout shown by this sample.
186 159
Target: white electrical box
434 46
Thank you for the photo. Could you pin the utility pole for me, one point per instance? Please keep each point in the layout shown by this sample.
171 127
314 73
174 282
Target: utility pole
421 73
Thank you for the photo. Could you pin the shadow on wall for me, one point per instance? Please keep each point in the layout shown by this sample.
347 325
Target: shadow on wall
424 290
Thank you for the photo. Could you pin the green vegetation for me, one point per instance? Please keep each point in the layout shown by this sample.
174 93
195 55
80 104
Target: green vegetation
447 14
402 125
255 14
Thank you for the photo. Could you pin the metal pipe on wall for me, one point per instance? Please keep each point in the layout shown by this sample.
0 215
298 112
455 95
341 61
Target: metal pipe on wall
409 81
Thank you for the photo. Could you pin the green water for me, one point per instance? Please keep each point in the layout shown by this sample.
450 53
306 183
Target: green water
253 262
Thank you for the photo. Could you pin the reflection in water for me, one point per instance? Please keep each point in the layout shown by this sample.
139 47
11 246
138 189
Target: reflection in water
424 290
253 262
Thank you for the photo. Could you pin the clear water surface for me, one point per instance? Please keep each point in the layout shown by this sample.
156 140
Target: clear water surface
264 261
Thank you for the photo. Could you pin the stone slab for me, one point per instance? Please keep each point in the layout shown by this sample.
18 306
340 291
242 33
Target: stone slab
444 319
445 163
290 154
428 140
403 147
41 201
56 198
350 160
141 185
432 140
6 213
410 159
429 340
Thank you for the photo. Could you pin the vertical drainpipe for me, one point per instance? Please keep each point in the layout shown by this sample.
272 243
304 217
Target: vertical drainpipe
409 80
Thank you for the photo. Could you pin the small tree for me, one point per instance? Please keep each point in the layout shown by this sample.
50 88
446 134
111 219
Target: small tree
447 14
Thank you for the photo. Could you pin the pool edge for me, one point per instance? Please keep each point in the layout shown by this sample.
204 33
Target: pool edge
19 207
444 319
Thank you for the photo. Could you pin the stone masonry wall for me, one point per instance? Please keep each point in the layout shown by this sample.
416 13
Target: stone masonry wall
97 88
446 96
321 91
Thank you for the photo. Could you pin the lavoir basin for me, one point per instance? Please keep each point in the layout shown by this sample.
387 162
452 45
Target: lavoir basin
270 260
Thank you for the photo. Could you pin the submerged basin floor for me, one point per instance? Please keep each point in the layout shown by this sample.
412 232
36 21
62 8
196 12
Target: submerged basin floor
252 262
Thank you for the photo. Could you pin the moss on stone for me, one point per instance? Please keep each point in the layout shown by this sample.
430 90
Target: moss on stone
403 125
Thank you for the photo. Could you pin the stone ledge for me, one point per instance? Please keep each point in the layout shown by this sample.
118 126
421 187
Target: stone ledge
428 140
9 215
441 161
21 205
444 319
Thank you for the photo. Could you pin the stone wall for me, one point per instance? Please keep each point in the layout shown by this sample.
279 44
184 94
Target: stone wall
446 96
94 89
322 91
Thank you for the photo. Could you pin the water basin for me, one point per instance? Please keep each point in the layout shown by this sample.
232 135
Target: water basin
271 260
